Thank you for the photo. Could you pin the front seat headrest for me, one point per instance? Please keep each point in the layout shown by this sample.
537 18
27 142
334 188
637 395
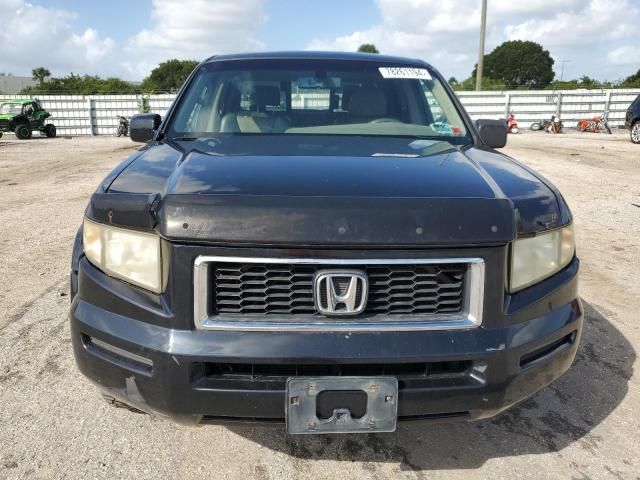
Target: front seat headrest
368 102
267 95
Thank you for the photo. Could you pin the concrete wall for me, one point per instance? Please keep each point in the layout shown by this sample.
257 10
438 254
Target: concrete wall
97 114
11 84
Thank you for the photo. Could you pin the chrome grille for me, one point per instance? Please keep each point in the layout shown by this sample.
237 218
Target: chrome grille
287 289
276 294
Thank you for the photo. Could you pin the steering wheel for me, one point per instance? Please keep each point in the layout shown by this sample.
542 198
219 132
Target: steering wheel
385 120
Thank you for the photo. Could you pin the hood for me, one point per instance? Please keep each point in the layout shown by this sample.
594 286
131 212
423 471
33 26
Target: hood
441 196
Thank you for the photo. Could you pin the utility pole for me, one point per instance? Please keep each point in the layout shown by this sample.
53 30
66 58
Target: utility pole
483 28
562 62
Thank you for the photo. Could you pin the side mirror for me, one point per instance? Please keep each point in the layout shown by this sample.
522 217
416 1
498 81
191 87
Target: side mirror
493 133
143 127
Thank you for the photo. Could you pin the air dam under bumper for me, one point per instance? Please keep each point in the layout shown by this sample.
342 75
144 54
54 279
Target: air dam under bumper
198 376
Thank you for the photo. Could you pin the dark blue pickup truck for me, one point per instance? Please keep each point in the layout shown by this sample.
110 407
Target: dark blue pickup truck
326 241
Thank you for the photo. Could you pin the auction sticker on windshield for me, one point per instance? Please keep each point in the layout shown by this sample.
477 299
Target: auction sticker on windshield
405 72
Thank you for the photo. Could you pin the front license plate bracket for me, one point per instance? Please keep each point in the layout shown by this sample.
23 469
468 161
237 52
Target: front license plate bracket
380 416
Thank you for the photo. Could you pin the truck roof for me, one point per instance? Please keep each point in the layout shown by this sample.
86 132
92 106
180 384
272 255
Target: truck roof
315 55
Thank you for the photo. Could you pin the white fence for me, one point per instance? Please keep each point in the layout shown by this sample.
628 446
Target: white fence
97 114
94 114
569 105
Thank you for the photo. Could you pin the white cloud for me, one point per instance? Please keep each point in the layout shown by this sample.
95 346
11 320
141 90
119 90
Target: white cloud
627 55
94 48
195 29
597 36
429 29
34 36
596 22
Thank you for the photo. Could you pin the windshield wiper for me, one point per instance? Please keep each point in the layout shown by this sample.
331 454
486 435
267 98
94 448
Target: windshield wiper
184 139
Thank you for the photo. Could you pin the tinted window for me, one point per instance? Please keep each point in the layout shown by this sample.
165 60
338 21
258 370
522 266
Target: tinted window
317 97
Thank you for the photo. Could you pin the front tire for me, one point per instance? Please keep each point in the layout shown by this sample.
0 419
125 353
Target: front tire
535 126
635 132
23 131
50 130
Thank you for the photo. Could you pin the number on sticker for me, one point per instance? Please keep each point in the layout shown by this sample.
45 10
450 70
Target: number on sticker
405 72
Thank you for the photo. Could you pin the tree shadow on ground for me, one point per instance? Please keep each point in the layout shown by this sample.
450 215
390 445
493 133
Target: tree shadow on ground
558 416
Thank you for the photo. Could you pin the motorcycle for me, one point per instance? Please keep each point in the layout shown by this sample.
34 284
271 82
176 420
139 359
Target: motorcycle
512 124
596 124
123 127
553 125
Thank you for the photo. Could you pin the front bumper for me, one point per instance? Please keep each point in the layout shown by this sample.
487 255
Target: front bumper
173 372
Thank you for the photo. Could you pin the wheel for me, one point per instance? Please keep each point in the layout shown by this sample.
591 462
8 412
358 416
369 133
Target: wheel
535 126
23 131
635 132
120 131
515 130
50 130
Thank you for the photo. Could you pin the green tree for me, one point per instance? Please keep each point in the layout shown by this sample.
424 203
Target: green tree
453 81
143 104
81 85
487 84
631 81
368 48
169 75
40 74
583 82
519 63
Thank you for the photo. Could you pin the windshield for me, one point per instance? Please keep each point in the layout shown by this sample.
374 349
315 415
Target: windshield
317 97
12 108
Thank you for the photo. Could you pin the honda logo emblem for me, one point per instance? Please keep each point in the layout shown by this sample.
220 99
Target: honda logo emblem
340 292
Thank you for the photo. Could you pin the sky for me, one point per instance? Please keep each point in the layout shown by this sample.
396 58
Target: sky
127 38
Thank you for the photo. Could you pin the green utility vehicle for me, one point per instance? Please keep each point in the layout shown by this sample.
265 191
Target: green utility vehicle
23 116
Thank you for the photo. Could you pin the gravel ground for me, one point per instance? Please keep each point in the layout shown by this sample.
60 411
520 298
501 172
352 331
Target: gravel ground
53 423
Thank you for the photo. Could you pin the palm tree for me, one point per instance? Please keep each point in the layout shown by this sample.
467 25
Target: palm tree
39 74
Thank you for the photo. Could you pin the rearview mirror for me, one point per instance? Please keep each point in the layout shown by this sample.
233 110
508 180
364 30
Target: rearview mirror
493 133
143 127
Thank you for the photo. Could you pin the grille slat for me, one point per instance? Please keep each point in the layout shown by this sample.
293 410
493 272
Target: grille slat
287 289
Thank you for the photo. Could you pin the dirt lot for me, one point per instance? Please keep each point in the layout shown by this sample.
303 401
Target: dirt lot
53 423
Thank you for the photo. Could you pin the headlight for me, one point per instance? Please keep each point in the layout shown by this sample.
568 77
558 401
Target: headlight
126 254
536 258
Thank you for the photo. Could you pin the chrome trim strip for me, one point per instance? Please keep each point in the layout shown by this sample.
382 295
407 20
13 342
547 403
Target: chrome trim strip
121 352
470 317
